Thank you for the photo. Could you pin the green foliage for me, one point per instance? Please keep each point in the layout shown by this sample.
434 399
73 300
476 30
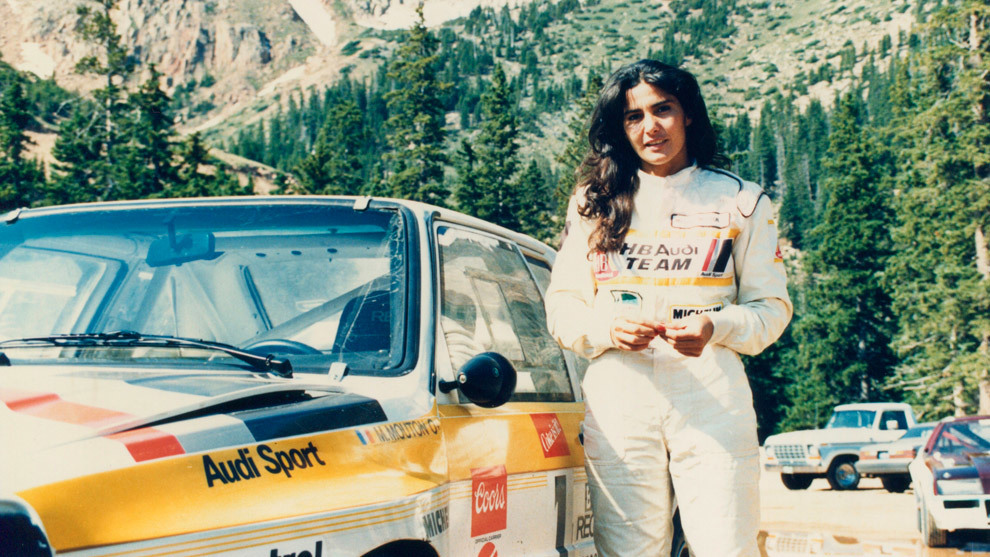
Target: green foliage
415 126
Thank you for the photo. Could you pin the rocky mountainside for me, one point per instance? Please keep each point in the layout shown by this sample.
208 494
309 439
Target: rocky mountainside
230 61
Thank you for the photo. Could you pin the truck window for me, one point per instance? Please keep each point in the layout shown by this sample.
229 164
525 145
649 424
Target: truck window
889 416
851 418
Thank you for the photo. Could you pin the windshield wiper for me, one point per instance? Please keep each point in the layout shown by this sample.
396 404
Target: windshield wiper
267 364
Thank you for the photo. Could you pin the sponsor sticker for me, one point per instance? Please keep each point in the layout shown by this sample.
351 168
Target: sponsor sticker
399 431
551 433
603 267
778 257
680 312
488 550
708 220
489 500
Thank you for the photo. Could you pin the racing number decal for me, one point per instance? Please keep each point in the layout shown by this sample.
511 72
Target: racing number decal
560 505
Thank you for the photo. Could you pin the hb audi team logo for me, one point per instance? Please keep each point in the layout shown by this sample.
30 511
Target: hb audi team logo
603 267
489 500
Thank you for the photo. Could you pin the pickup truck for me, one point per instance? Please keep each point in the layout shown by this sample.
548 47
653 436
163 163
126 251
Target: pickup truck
832 452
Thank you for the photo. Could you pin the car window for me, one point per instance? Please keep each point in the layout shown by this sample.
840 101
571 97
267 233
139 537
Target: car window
851 418
541 271
896 416
490 302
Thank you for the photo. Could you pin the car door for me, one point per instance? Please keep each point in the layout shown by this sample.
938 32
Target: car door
516 471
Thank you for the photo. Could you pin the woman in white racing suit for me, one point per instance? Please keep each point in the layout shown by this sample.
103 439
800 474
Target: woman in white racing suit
669 270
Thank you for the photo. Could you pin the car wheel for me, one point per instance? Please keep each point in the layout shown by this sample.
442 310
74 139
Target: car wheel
842 475
895 484
796 482
931 535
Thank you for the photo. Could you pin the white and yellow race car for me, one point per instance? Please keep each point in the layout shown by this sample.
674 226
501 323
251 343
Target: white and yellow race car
282 376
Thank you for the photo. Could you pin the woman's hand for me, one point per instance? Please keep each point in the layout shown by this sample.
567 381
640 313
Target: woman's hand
690 335
632 334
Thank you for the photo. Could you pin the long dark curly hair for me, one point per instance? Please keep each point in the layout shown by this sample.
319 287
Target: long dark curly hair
608 172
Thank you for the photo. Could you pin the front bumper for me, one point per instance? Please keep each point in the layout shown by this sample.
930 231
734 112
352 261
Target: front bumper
883 466
961 512
792 467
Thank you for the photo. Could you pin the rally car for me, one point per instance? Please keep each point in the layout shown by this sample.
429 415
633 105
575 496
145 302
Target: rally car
277 376
950 478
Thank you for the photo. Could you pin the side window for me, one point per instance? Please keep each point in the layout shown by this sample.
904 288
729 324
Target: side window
541 270
489 302
893 419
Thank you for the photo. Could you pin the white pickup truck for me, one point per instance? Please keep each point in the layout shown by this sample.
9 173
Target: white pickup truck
831 453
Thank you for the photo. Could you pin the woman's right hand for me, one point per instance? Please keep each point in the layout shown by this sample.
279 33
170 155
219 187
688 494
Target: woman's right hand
632 334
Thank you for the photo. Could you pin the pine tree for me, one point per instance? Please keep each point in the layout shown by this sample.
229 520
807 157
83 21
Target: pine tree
843 338
497 197
149 149
942 268
19 178
415 127
114 65
334 166
577 147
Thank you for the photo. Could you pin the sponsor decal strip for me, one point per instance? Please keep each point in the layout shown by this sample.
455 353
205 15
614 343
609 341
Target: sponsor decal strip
683 281
289 532
143 444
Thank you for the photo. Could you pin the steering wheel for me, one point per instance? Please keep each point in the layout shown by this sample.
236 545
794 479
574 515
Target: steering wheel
279 346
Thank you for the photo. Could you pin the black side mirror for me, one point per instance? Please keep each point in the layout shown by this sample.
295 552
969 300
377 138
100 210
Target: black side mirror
488 380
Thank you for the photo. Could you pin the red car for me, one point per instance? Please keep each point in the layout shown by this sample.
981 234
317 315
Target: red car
951 479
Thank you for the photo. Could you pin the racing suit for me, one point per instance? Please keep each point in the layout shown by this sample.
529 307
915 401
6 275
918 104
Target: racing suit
657 423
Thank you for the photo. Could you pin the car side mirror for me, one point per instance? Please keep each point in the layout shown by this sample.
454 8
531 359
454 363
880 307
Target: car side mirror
892 424
488 380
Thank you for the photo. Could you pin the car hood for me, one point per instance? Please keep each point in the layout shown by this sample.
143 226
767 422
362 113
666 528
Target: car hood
59 422
820 436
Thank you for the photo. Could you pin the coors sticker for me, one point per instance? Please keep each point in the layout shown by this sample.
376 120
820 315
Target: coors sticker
489 494
551 433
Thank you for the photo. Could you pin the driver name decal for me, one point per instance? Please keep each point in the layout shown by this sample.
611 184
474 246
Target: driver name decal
272 462
399 431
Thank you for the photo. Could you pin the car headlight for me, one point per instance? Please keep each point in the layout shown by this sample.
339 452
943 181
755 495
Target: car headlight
962 486
769 450
813 451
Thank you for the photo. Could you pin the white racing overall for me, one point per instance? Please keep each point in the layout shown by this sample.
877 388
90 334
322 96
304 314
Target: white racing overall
658 423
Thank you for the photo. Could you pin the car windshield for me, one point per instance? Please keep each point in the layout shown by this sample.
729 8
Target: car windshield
851 418
920 431
314 281
968 437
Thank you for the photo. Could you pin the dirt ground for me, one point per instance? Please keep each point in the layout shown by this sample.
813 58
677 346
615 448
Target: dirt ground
866 521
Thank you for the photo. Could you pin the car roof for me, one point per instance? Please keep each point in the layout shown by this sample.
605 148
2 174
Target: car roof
873 406
423 210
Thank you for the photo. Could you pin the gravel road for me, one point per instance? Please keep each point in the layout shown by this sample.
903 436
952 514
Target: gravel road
866 521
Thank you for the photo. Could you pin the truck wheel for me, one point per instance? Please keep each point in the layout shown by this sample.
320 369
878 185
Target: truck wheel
931 535
796 482
895 484
842 474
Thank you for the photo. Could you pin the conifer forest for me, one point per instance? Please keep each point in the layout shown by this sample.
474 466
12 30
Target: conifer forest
883 191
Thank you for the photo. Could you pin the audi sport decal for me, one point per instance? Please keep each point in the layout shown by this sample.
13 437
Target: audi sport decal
275 462
717 258
489 500
551 433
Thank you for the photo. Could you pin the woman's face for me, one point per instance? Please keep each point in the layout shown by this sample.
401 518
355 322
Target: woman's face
656 127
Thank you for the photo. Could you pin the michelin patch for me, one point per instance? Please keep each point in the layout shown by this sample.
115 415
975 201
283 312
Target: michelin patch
680 312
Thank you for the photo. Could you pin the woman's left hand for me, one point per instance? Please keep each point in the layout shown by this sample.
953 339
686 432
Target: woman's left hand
690 335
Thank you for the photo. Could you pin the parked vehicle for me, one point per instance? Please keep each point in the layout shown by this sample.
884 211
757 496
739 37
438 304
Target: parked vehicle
889 461
832 452
282 376
948 476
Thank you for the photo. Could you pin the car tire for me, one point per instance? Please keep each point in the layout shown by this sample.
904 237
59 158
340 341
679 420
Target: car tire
842 474
931 535
895 484
796 482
